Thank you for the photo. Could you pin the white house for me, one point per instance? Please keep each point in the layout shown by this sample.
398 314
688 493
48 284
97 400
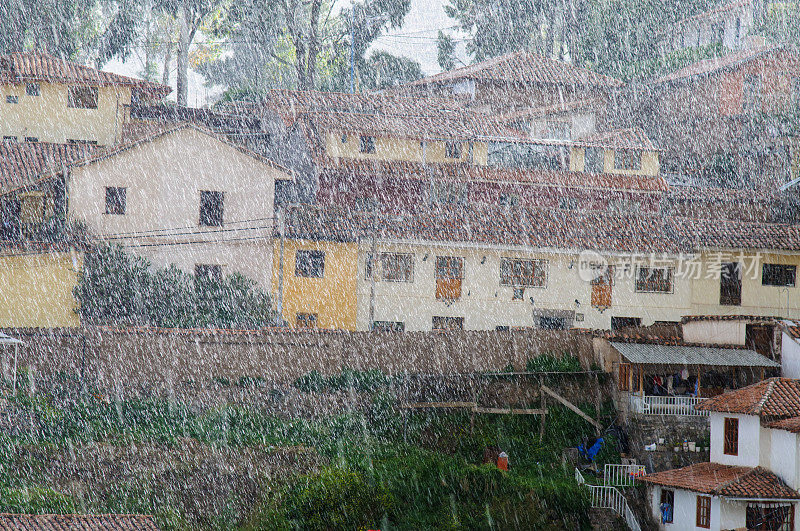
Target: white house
753 478
728 23
790 349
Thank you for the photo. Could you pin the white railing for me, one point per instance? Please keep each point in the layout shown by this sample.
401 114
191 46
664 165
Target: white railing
621 475
607 497
666 405
579 477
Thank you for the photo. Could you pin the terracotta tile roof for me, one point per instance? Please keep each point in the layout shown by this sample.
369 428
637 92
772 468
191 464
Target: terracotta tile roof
716 64
773 397
470 172
791 425
792 328
730 317
22 162
724 480
705 233
549 110
490 225
523 68
75 522
28 66
633 138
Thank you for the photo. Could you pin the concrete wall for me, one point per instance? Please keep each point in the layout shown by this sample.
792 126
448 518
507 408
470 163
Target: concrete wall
749 440
36 289
783 456
790 357
171 356
48 118
164 178
718 332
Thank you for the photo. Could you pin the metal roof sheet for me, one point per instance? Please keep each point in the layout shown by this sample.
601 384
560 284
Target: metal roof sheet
692 355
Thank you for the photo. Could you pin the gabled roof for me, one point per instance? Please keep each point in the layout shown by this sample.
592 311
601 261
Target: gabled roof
717 64
661 354
632 138
77 522
553 110
705 233
791 328
24 164
523 68
791 425
773 397
725 480
19 67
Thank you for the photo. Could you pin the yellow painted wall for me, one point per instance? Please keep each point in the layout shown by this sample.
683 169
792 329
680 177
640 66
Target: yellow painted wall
577 159
333 297
407 149
650 164
36 290
48 118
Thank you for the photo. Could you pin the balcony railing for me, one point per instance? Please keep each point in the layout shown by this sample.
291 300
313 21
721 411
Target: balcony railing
622 475
683 406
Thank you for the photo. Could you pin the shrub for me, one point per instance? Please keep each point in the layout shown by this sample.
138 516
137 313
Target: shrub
36 500
549 363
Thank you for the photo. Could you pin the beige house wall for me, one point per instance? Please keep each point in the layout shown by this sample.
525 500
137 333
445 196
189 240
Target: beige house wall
406 149
650 162
757 299
48 118
164 178
485 304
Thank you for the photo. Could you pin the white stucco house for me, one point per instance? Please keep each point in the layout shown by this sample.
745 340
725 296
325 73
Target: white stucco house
790 349
753 477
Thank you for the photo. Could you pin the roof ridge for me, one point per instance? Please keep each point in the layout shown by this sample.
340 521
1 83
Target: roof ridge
767 394
735 479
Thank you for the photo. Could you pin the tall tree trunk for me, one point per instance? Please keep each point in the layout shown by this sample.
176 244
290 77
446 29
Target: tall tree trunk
182 58
313 44
170 31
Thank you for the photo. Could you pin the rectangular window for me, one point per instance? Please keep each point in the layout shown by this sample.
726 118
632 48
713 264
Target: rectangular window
452 150
619 323
717 32
730 284
309 264
448 323
523 273
654 279
12 99
396 267
769 517
115 200
778 275
306 320
79 97
32 89
703 516
206 275
367 144
511 200
388 326
84 142
548 322
211 208
449 276
731 436
627 159
9 138
31 139
667 505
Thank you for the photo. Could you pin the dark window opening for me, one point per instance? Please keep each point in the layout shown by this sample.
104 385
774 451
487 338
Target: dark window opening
367 144
703 515
452 150
618 323
10 214
397 267
778 275
547 322
627 159
731 436
523 273
730 284
769 517
12 99
31 139
309 264
115 200
654 279
306 320
593 160
448 323
667 505
389 326
82 97
211 208
83 142
32 89
9 138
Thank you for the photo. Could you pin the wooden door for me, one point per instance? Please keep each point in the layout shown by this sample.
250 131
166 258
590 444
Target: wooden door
602 287
449 276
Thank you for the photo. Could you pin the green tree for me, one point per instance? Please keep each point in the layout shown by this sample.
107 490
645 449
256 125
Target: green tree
445 51
386 70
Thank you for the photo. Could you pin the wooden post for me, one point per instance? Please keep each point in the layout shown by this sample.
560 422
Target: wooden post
641 380
543 407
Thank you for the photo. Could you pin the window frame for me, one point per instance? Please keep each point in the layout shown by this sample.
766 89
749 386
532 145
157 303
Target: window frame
669 494
386 258
112 202
315 258
453 149
215 217
730 436
516 277
33 90
443 319
774 279
389 326
641 284
310 321
703 512
366 144
92 102
12 99
627 159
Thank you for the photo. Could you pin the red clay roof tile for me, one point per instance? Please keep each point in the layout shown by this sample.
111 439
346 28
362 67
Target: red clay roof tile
724 480
76 522
773 398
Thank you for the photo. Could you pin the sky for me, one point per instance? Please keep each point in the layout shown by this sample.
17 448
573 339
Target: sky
416 39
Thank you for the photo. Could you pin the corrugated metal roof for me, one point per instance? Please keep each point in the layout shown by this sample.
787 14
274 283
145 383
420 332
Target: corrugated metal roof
686 355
